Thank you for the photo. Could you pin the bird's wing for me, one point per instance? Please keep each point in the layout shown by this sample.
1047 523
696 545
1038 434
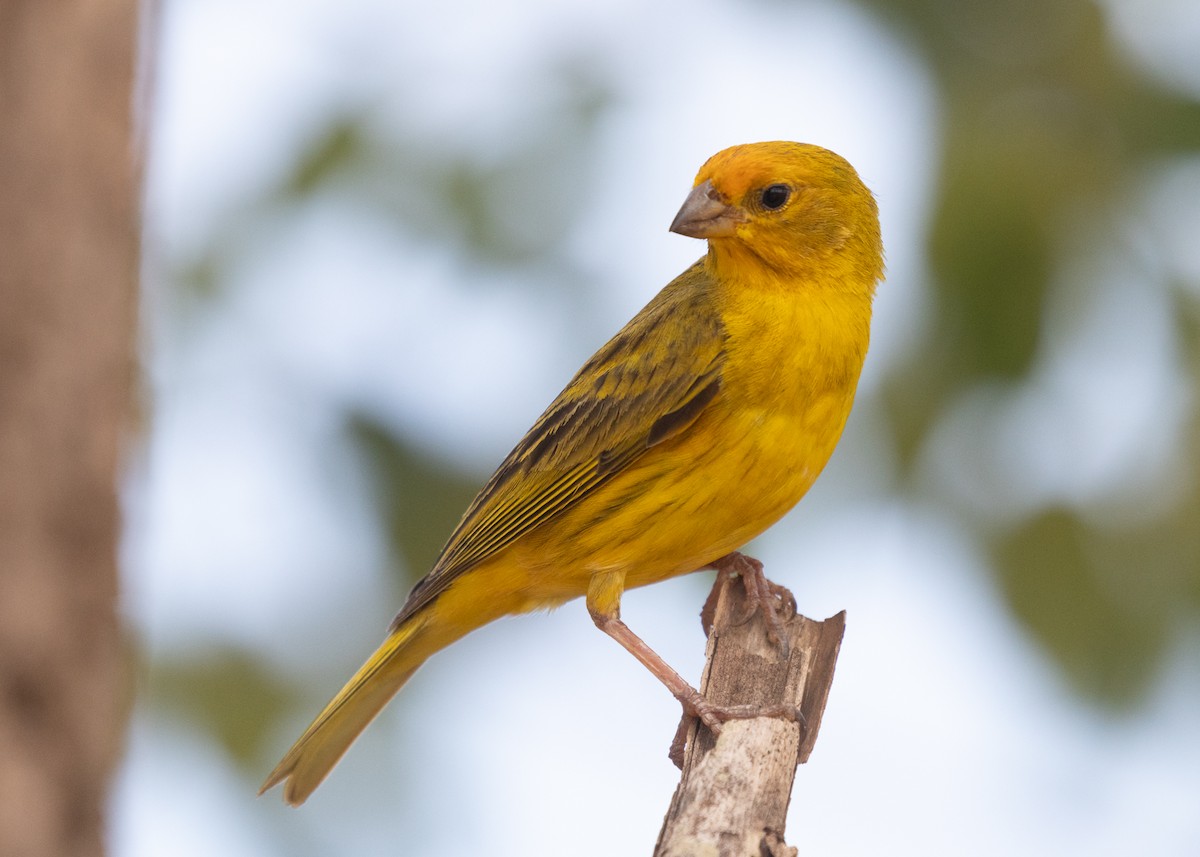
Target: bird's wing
647 384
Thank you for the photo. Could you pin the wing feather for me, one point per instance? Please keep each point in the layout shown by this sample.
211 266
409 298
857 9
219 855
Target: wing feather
647 384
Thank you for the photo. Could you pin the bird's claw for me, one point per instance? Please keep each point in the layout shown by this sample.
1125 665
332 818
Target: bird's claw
761 595
713 716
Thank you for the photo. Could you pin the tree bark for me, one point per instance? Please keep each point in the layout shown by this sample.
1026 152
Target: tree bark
69 208
733 797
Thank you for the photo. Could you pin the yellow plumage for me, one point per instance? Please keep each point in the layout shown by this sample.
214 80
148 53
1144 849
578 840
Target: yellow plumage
691 431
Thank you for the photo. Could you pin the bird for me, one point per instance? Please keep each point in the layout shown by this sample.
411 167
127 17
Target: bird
697 426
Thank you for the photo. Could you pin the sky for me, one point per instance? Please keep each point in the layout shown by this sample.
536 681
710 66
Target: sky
946 731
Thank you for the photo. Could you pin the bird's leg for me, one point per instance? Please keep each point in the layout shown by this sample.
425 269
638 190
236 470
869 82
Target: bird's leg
761 594
604 605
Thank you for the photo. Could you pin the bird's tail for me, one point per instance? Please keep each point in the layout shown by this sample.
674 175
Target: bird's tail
313 756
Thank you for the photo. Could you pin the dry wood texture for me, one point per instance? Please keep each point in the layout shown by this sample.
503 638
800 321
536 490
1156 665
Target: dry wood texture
733 797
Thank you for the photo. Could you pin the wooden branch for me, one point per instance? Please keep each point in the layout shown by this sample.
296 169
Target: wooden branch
733 797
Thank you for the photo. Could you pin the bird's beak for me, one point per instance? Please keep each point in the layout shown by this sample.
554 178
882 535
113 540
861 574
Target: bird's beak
705 215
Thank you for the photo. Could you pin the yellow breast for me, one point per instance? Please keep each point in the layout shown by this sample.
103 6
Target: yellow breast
790 375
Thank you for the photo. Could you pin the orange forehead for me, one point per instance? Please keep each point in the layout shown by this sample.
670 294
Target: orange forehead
738 169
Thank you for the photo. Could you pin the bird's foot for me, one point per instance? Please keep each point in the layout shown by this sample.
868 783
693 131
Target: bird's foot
695 706
776 602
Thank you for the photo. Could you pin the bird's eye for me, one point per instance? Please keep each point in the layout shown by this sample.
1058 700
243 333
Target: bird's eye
775 196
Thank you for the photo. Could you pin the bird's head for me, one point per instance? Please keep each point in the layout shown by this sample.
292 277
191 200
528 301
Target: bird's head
799 210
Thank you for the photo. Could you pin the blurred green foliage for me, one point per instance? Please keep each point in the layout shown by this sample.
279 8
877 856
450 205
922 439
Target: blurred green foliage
1046 125
1073 597
419 497
229 692
462 198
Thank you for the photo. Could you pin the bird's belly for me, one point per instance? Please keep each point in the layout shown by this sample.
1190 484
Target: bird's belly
690 500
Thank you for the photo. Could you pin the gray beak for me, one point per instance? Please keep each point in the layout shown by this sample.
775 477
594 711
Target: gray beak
705 215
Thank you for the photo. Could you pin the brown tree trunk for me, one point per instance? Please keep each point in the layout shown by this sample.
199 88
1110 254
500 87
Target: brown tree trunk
69 207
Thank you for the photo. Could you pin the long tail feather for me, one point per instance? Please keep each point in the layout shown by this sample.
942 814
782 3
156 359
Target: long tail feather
313 756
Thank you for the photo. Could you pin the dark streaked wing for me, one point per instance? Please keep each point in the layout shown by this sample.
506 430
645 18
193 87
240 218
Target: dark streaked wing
647 384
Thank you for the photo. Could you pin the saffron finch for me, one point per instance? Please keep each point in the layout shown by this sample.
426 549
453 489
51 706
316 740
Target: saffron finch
704 420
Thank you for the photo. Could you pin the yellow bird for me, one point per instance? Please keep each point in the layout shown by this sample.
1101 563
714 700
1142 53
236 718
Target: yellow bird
696 427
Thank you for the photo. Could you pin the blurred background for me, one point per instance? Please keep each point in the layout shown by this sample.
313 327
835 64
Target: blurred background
380 237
